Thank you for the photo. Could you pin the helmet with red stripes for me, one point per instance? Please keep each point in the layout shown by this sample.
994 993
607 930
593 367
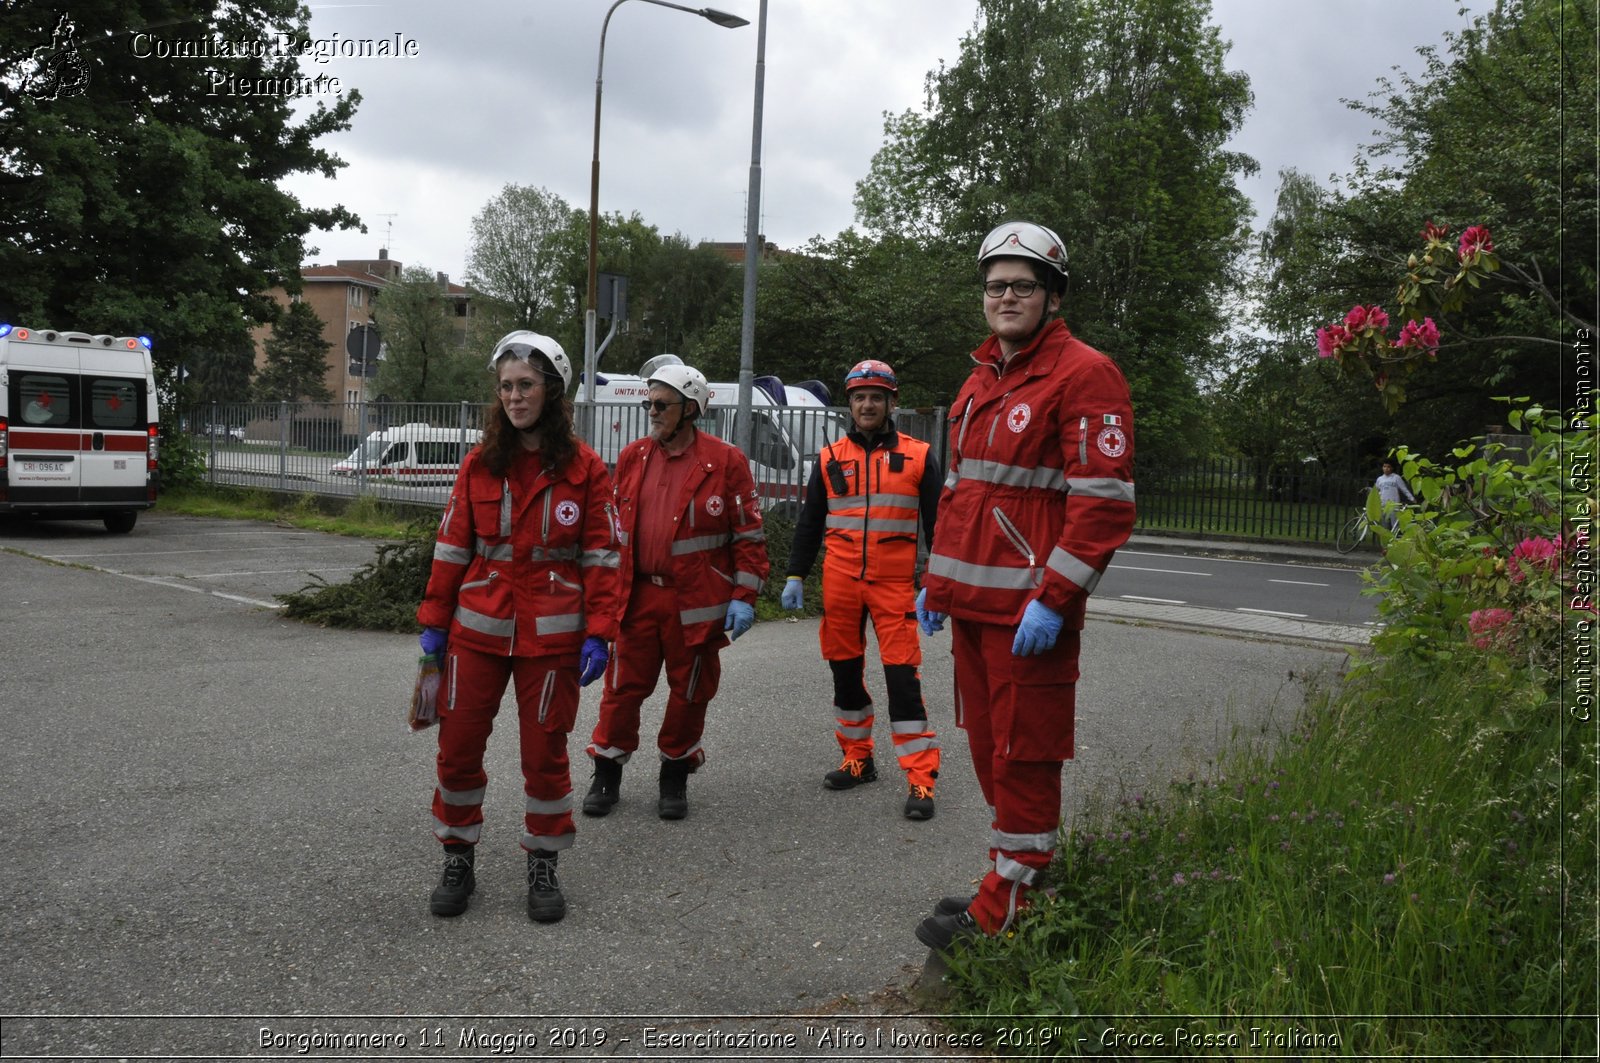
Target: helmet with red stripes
871 374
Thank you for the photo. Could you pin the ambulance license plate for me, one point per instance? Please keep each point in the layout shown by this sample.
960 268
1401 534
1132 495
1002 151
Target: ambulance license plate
43 468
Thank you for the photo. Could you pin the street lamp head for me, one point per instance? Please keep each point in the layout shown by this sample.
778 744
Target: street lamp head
722 18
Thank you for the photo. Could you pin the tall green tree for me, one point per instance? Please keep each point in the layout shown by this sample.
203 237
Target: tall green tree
223 374
425 357
140 194
1107 120
296 359
521 246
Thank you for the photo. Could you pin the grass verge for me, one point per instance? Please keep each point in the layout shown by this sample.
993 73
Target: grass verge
363 517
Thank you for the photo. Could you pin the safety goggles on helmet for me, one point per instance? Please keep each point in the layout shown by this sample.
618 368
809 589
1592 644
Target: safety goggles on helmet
871 374
523 344
686 381
1024 239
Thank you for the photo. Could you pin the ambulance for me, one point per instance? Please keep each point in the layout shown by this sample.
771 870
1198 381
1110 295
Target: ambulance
78 426
790 425
416 453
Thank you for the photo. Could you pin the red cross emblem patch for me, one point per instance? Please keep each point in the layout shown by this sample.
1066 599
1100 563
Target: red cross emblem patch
1019 417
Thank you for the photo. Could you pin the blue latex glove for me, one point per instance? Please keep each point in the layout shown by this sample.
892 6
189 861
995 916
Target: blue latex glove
432 641
592 660
1038 631
930 622
794 593
740 616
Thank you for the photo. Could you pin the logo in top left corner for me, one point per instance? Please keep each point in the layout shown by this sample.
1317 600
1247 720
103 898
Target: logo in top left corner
59 71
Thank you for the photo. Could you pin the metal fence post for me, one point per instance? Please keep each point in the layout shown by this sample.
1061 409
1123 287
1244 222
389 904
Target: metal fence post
283 443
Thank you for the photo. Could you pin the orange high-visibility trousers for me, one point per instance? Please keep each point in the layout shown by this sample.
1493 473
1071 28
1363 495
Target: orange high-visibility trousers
847 604
1018 713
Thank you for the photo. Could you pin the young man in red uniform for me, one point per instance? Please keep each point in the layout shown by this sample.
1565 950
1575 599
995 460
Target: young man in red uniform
866 493
523 590
1038 498
694 557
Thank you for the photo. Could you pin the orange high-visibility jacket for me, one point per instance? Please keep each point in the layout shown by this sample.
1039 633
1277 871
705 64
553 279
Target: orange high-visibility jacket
719 549
873 497
1040 489
526 564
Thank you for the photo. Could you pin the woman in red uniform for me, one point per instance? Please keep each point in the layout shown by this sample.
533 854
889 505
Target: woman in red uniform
523 588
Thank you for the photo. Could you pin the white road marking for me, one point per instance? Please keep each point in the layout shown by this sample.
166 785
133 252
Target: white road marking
1298 582
1142 598
1164 571
1271 612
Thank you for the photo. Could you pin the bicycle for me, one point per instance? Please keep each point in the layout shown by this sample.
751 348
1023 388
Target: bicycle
1357 528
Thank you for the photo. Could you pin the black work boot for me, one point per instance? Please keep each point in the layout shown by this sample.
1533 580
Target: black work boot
674 802
850 774
457 883
606 788
545 902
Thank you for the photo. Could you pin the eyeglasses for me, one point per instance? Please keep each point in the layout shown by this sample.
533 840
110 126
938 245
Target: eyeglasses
1021 289
521 387
658 406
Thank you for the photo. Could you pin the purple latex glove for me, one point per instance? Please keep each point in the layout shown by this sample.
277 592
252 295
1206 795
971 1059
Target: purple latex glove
592 660
432 641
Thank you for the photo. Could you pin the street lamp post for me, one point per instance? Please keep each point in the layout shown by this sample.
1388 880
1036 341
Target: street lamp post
747 327
721 18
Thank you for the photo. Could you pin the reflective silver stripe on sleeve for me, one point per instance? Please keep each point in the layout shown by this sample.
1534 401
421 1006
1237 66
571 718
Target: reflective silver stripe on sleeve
554 553
455 555
951 480
446 833
1101 487
996 472
600 559
547 842
1044 842
994 577
747 580
559 624
750 535
493 551
915 745
700 616
1066 565
1008 868
462 797
536 807
695 546
486 625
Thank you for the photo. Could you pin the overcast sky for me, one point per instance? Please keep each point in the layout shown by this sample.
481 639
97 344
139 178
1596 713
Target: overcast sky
502 91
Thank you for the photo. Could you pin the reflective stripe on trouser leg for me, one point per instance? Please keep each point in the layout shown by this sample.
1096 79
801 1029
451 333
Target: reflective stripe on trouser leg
915 745
547 708
635 668
479 680
852 708
693 675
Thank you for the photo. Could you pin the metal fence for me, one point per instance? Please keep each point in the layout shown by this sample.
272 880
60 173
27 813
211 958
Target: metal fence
329 448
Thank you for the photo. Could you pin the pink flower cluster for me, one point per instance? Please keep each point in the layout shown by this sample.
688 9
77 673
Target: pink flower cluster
1366 317
1423 334
1331 339
1474 241
1491 628
1534 555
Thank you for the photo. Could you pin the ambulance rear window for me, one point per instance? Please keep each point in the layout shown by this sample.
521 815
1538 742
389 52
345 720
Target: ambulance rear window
42 400
115 403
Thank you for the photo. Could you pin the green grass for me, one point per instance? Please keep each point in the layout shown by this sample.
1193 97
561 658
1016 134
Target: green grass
1402 862
362 517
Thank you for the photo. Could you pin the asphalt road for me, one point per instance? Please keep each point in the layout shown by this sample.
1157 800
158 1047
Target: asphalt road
220 821
1324 593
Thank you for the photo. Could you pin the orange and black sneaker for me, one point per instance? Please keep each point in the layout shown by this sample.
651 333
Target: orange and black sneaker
919 804
850 774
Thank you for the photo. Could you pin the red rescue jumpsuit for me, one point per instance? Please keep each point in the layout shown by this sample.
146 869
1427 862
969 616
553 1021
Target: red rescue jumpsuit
863 502
1038 498
524 569
718 554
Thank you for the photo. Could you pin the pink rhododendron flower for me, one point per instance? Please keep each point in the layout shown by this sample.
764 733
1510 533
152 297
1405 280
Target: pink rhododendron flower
1490 628
1431 231
1331 339
1532 555
1424 334
1474 241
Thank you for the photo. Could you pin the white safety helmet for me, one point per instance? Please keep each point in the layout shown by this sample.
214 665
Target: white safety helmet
686 381
524 345
1024 239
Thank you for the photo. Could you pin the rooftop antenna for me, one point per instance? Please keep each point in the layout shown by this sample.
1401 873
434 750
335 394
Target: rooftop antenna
388 231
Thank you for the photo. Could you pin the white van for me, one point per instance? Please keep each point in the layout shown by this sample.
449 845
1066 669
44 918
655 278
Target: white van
78 426
415 453
791 425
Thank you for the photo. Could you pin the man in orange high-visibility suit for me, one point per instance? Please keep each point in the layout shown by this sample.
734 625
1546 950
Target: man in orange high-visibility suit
866 494
1038 498
694 557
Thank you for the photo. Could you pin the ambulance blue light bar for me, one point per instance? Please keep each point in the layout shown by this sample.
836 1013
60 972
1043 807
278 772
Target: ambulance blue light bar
5 330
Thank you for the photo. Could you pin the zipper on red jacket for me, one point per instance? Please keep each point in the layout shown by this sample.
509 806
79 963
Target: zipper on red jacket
1017 540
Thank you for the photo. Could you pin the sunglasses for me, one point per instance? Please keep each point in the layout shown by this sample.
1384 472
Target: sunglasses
658 406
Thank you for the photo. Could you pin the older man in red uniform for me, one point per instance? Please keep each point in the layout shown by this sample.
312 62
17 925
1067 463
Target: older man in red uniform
694 558
1038 497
